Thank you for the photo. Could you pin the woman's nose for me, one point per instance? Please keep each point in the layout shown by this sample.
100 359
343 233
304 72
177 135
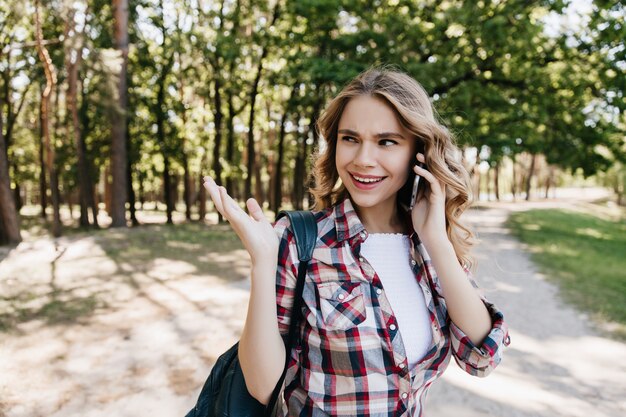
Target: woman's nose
366 156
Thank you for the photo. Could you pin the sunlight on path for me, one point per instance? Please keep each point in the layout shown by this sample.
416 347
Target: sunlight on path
146 349
139 337
556 365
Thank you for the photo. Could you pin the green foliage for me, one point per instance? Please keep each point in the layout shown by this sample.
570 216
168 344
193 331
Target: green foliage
583 254
500 76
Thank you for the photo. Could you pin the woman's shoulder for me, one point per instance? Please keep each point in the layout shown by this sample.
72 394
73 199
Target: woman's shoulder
323 218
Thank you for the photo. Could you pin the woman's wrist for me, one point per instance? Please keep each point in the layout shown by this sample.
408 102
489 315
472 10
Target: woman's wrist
440 243
264 267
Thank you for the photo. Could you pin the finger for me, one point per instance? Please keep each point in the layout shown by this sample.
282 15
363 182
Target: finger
231 208
214 192
255 210
424 173
420 157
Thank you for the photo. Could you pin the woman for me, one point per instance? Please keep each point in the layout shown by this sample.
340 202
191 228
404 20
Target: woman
389 296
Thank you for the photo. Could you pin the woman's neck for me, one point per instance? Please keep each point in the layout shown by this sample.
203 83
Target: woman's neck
381 219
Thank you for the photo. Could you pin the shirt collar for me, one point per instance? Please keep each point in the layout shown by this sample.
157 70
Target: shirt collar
348 224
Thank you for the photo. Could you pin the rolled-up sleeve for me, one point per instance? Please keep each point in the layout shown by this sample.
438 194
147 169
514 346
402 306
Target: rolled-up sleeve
286 274
480 360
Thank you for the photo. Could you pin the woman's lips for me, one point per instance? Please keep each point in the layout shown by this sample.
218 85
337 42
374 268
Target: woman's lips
366 186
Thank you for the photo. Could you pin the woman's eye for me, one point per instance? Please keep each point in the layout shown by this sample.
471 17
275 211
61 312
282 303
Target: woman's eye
348 138
388 142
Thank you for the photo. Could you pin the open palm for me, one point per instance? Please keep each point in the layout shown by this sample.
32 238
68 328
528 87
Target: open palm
254 230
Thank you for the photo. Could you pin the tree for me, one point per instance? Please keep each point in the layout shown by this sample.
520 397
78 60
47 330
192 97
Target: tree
9 220
74 56
51 81
118 124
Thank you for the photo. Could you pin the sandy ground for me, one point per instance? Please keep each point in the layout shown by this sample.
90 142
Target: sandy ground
156 331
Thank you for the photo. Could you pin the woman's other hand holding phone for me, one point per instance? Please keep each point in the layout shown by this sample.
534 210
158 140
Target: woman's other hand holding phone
428 214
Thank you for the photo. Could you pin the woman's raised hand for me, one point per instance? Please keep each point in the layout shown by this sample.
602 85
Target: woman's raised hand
254 230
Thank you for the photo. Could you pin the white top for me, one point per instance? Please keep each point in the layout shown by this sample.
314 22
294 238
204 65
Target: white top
389 255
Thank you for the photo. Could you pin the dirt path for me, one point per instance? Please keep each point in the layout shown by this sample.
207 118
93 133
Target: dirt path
156 331
557 364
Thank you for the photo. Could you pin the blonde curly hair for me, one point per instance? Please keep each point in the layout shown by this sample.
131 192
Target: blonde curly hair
415 112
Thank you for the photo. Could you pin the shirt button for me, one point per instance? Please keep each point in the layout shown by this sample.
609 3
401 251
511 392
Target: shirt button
401 365
379 291
341 296
392 327
363 235
361 258
413 262
405 395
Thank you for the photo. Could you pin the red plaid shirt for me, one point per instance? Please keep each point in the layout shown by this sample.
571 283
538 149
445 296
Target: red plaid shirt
351 360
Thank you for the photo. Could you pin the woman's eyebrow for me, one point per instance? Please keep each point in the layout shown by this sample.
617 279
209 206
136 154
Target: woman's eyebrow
378 135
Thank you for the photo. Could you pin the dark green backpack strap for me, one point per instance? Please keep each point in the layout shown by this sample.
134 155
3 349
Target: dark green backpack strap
304 227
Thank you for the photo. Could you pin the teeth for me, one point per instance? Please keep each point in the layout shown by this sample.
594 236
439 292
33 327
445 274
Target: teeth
367 180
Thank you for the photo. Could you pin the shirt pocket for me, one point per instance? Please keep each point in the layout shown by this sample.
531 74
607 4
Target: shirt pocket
342 304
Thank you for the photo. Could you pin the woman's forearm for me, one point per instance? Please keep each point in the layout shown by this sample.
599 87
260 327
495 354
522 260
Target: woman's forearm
465 307
261 349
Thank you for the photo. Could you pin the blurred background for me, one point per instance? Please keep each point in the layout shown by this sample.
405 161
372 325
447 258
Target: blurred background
111 112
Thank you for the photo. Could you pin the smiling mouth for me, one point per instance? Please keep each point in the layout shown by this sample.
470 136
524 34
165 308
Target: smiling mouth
367 180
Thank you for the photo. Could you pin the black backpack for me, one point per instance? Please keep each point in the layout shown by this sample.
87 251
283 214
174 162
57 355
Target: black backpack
224 393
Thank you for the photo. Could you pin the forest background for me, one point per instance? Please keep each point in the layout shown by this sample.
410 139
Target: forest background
110 107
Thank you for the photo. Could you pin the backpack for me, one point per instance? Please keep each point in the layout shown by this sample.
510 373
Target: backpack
224 393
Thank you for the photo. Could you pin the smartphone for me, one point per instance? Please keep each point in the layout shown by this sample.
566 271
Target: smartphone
415 189
409 192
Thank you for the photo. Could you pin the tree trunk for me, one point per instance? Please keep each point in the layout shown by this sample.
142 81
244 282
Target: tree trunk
514 180
186 187
253 96
251 157
496 180
9 219
118 128
259 195
142 192
531 171
216 164
308 178
160 116
17 193
108 190
549 181
298 178
167 183
230 145
43 187
201 199
278 171
11 117
92 179
271 156
293 189
51 79
167 189
83 180
129 183
185 159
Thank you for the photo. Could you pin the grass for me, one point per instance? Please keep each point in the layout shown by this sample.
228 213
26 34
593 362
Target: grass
584 254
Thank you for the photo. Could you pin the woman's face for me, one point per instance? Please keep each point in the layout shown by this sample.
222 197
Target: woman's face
374 152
